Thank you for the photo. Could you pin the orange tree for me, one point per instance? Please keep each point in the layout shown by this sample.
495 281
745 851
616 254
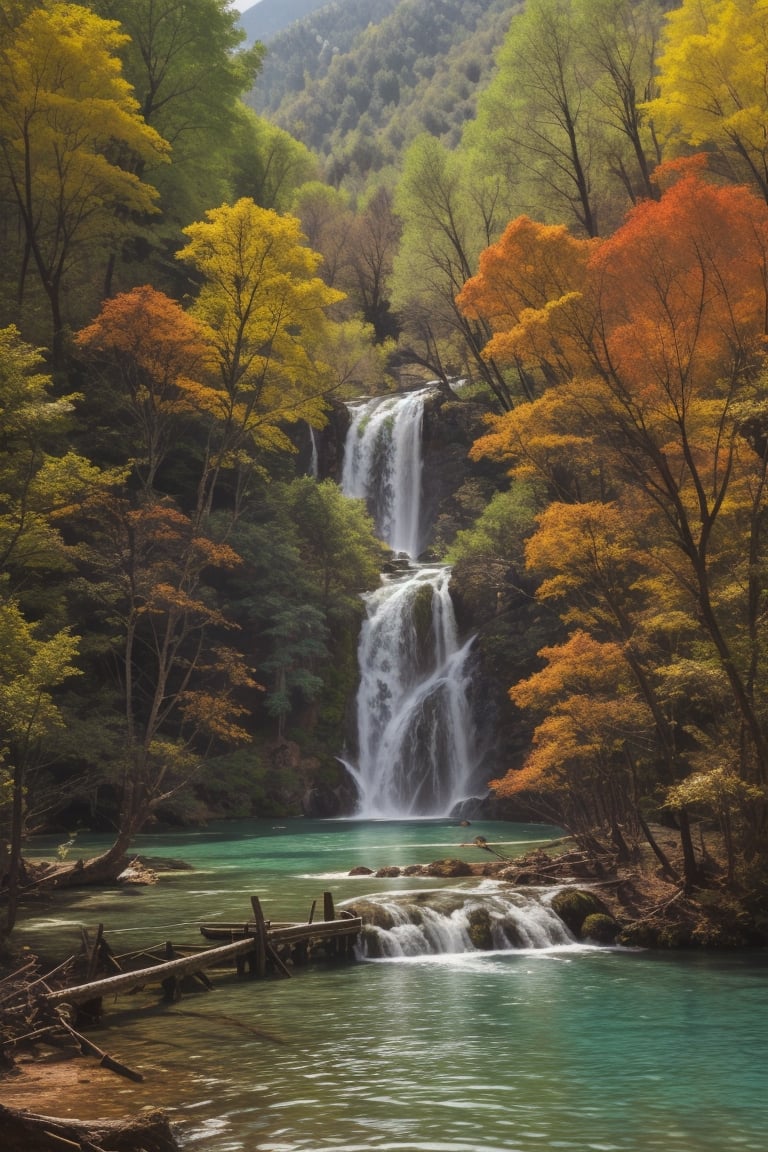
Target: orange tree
649 367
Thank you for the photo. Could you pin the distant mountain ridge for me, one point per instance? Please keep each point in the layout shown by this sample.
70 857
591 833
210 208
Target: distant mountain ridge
264 20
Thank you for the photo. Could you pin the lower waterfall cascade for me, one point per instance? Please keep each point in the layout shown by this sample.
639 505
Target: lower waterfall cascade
454 920
416 741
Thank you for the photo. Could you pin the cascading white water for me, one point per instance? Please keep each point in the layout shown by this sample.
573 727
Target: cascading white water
451 920
416 741
314 462
382 464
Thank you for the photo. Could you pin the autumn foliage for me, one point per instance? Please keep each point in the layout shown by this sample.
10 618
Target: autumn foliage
647 349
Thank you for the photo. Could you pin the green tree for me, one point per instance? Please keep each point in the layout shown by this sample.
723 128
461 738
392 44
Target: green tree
447 222
32 667
188 70
538 117
562 119
619 43
267 163
37 489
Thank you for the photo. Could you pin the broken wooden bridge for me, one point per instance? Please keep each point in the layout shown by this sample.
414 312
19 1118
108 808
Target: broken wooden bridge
257 947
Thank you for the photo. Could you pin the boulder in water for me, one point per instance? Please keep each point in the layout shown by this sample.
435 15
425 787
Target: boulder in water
574 905
480 932
601 928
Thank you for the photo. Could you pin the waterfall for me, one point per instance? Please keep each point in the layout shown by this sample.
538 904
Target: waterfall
382 464
453 920
314 463
416 747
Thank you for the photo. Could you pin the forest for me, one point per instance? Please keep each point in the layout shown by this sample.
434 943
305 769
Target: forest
188 287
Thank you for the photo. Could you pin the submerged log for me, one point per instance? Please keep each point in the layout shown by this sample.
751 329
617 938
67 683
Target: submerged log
149 1132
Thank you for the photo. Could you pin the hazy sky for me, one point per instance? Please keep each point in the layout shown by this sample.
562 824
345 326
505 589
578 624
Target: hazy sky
243 5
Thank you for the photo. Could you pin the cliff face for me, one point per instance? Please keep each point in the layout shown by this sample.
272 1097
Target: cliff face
455 489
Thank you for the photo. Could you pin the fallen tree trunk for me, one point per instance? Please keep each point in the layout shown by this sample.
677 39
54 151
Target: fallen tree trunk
110 986
149 1132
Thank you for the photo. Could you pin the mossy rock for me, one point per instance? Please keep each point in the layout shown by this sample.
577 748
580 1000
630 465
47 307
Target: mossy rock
639 936
574 905
370 941
480 931
373 914
448 868
601 928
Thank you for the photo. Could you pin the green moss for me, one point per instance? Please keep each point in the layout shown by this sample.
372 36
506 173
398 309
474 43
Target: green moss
480 929
600 927
639 936
573 906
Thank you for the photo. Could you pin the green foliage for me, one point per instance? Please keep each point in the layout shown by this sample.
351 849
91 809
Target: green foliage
358 82
500 530
449 216
188 70
561 120
267 163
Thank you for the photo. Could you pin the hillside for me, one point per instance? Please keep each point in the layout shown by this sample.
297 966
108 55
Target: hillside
264 20
357 80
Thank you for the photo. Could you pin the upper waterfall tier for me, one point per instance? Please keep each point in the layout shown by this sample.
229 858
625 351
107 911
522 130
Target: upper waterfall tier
382 465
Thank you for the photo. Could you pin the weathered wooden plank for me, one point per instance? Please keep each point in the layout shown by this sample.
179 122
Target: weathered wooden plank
260 932
349 926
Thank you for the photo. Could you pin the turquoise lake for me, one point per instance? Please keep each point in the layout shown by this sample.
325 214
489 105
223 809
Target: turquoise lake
555 1047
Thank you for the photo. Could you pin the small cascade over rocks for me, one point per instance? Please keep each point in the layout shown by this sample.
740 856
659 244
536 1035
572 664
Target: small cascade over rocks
416 743
452 920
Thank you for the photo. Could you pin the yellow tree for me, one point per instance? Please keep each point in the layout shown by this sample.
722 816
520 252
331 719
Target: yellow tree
266 310
712 83
71 135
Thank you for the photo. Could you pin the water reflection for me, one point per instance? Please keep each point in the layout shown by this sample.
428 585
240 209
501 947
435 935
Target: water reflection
589 1049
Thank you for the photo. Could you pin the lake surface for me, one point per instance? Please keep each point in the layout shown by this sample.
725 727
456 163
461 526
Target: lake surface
558 1047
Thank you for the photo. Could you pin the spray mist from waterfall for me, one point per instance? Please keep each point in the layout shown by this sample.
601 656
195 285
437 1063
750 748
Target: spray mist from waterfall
416 745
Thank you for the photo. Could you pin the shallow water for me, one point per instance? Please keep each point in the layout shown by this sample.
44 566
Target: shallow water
557 1048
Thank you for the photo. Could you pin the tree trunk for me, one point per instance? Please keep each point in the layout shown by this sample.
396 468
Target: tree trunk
14 856
691 873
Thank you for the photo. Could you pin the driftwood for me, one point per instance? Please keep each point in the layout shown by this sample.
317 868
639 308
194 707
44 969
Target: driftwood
23 1131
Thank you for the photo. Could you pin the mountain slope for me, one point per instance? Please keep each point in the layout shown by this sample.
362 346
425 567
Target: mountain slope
357 80
269 17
